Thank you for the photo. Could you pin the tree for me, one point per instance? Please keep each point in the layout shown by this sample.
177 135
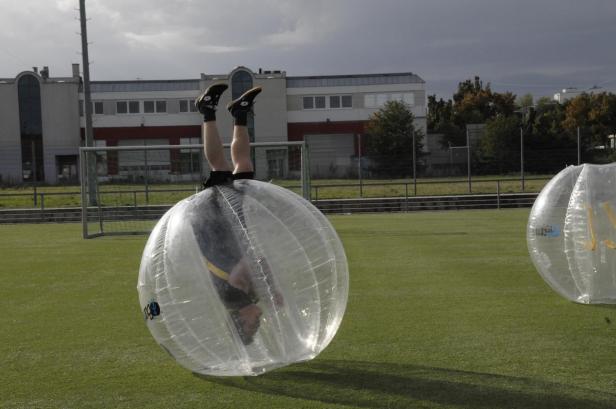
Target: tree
440 113
473 103
499 147
441 120
390 134
576 112
525 101
594 114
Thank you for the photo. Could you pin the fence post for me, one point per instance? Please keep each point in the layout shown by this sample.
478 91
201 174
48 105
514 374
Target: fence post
42 201
34 195
316 193
406 197
498 194
147 192
522 157
135 198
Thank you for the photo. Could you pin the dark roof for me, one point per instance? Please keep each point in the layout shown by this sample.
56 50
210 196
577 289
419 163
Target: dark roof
352 80
140 85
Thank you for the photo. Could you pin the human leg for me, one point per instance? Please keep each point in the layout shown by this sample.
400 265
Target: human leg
206 103
240 146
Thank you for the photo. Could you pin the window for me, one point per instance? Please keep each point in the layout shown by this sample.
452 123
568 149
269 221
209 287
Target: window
308 103
148 107
133 107
328 102
409 98
370 101
240 83
187 105
121 107
334 101
378 100
98 108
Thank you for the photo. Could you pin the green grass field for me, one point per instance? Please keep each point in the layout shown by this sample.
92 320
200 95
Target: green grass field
445 311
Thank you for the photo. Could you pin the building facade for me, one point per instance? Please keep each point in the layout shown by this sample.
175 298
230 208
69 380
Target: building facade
43 123
39 127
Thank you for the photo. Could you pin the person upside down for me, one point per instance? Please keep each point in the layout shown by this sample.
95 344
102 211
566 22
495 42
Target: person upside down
223 244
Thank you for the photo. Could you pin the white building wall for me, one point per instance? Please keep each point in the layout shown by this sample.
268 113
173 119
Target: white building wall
111 119
60 118
270 113
10 138
358 112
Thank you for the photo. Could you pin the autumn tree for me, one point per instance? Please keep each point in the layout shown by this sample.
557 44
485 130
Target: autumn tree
473 103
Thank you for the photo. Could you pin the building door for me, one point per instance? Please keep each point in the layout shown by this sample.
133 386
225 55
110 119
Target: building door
66 168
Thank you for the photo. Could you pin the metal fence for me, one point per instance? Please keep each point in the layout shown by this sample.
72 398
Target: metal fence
39 198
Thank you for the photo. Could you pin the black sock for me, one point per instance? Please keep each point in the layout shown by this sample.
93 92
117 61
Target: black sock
209 115
241 117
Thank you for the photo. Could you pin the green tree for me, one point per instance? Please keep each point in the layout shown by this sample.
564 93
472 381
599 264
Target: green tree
390 134
602 117
525 101
499 148
441 120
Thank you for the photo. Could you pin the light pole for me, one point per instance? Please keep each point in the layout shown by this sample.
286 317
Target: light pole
522 157
89 133
468 160
361 192
579 147
414 164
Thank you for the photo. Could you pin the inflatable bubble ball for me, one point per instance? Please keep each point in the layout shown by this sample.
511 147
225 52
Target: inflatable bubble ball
241 279
571 233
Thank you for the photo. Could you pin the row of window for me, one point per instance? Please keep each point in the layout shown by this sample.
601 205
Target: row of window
309 102
328 102
378 100
346 101
139 107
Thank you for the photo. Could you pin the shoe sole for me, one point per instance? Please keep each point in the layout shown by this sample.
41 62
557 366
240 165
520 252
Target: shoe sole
255 90
201 98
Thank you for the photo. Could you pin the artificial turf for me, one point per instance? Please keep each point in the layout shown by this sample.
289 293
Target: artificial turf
445 311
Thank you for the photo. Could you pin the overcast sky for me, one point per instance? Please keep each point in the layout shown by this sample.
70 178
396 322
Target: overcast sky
536 46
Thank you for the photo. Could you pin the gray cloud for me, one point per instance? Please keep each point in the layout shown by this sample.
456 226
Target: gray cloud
535 46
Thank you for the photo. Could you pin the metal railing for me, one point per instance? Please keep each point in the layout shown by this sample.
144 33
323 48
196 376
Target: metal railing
410 188
406 189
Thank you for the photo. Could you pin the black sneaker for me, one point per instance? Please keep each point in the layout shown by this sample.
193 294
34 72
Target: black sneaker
244 102
209 99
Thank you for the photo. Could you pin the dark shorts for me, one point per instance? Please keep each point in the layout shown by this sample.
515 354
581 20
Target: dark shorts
223 177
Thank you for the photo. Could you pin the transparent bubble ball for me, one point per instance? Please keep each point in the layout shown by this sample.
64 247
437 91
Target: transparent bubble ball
241 279
571 233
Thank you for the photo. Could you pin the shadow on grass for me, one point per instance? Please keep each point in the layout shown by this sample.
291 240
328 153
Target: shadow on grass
385 385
